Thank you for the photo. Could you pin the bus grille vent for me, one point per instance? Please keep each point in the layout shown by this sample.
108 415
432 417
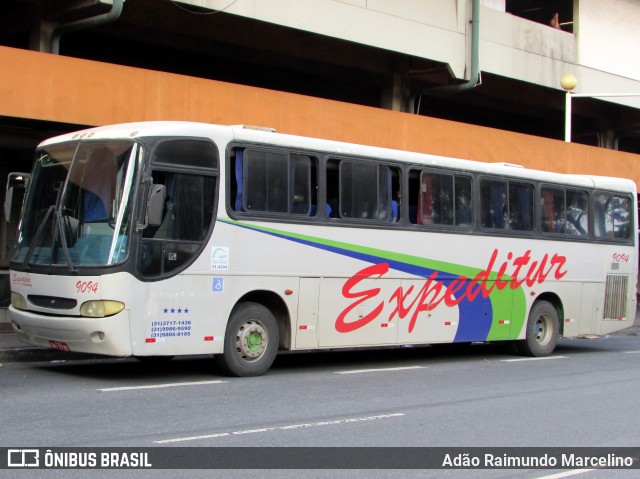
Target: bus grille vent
615 301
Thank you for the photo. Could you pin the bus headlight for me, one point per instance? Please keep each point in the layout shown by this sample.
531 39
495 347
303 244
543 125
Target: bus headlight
18 301
100 309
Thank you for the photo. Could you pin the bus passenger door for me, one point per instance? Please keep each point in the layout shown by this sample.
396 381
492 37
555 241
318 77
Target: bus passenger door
356 312
306 327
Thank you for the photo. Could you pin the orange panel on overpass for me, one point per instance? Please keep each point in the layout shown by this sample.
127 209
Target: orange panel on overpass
69 90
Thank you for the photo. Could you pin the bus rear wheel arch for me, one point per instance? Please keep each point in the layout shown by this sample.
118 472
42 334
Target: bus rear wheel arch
251 341
543 330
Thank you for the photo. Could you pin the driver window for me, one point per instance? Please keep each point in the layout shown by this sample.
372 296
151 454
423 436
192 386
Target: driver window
187 214
187 209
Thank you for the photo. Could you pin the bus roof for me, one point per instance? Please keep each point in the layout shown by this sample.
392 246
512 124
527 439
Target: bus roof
268 136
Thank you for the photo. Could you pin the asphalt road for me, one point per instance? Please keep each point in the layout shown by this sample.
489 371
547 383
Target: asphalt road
585 395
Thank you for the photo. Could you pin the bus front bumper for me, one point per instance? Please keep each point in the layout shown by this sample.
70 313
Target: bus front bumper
110 336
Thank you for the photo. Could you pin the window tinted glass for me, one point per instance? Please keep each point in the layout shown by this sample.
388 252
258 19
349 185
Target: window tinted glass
186 217
440 199
577 213
266 180
436 199
365 191
564 211
273 182
188 206
520 206
300 198
552 210
187 152
493 204
613 216
463 207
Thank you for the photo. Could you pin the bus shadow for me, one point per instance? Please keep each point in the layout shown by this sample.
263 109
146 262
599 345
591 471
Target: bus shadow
115 369
199 367
189 367
385 357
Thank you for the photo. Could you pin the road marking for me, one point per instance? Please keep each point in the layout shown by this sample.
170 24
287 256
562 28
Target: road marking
358 371
560 475
283 428
158 386
631 352
532 359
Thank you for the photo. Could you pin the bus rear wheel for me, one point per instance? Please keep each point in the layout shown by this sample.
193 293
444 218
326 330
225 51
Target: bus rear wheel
543 329
251 341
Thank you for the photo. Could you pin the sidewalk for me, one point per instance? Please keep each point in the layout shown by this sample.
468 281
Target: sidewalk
12 350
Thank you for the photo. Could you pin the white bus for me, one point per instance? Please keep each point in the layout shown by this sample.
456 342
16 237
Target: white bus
172 238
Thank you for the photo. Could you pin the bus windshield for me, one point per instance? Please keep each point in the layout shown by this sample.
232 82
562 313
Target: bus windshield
79 205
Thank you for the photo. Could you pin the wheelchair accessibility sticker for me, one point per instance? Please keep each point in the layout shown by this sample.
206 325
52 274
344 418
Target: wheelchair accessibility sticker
217 285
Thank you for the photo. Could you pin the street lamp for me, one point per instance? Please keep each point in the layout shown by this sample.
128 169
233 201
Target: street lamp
569 82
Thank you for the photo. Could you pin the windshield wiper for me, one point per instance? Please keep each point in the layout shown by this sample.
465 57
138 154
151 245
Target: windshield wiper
34 242
63 239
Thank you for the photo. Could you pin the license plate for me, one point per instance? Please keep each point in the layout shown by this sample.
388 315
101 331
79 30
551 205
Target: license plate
60 346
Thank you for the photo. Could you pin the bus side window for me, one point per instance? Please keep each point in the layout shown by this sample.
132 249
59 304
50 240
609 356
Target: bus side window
274 182
414 196
553 210
463 210
577 213
302 185
394 181
520 206
623 218
613 216
493 204
564 211
440 199
365 191
436 199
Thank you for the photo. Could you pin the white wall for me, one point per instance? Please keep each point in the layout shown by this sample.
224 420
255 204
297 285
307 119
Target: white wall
517 48
433 29
601 53
495 4
609 36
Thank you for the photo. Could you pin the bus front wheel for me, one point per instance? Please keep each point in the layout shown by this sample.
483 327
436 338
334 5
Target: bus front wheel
542 330
251 341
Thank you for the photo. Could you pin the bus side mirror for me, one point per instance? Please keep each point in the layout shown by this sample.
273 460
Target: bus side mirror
16 182
155 204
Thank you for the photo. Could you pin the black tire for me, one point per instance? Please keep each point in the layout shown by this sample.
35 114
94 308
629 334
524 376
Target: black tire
543 330
250 342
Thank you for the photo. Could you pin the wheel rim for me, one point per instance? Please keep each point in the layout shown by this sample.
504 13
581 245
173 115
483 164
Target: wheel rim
251 340
543 329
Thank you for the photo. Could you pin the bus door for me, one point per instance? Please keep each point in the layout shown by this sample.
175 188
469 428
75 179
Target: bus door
181 200
306 328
